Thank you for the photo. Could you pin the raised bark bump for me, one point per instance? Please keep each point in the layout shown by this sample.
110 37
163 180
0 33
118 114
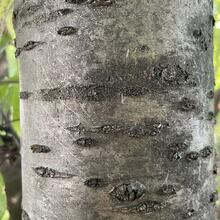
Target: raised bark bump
168 189
25 95
95 182
75 1
187 105
192 156
25 215
67 30
210 94
37 148
206 152
99 3
128 192
215 169
149 206
211 116
190 213
86 142
213 197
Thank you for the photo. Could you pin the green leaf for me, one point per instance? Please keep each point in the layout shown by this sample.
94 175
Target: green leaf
5 39
3 92
9 89
3 200
6 215
13 100
5 11
9 23
12 62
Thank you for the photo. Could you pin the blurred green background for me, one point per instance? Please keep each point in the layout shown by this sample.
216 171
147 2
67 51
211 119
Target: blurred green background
9 117
9 110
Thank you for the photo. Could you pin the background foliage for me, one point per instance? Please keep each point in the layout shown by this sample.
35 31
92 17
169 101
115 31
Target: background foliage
9 86
4 215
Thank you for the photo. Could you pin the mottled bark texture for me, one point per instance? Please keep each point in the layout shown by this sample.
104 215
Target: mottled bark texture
116 112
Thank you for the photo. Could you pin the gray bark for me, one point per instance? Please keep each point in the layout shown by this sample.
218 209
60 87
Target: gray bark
116 109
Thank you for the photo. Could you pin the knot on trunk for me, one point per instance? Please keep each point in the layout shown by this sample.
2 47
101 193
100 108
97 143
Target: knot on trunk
128 191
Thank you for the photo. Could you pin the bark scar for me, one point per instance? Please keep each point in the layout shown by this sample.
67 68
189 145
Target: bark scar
37 148
206 152
215 169
168 189
94 3
210 94
86 142
50 173
68 30
100 2
186 105
128 191
211 116
213 197
190 213
25 215
149 207
192 156
145 128
200 37
95 183
25 95
30 45
177 150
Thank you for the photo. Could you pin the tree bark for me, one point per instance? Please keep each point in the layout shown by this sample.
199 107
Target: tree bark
116 109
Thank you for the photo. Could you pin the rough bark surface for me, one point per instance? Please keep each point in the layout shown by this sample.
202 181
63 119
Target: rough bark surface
116 113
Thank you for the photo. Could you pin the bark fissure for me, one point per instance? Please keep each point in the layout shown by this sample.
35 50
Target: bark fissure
147 127
51 173
94 3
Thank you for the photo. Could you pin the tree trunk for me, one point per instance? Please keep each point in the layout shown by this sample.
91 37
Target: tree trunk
116 109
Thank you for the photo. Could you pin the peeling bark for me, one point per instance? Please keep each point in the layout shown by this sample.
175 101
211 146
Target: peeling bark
120 93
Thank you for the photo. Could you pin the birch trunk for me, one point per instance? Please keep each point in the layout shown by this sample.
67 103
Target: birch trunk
116 109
